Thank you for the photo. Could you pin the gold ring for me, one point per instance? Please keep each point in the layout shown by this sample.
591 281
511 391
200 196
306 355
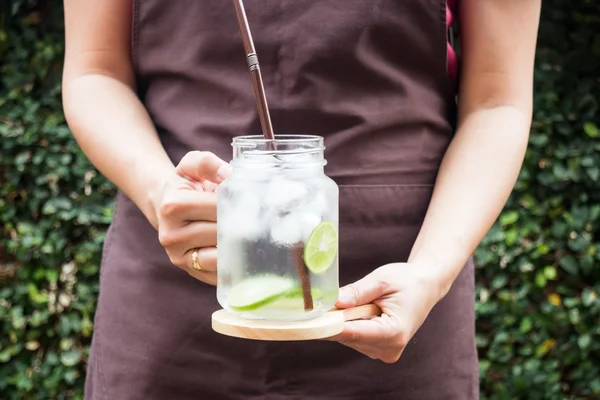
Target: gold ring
195 262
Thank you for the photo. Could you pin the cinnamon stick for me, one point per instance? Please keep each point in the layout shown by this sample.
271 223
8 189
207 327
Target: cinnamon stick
298 250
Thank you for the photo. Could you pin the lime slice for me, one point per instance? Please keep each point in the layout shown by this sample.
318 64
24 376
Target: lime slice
293 301
258 291
321 247
296 293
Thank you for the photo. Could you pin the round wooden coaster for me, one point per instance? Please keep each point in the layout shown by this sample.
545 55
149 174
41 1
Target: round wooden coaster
327 325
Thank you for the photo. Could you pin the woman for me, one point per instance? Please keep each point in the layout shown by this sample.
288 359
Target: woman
154 92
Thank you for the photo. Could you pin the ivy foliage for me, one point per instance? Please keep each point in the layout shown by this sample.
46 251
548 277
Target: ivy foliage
538 312
54 211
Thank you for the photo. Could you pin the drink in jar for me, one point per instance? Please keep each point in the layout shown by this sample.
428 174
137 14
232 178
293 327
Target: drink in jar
277 222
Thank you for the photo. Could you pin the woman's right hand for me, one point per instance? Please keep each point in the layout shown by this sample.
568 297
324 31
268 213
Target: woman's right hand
187 214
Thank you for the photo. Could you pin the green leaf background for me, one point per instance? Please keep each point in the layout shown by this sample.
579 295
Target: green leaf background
538 281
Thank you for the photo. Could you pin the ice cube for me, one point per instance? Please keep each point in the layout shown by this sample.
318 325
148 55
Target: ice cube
258 160
287 231
293 228
316 205
259 167
309 222
302 157
284 193
243 220
300 173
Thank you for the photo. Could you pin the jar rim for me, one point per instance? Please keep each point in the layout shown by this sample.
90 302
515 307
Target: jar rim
283 139
285 145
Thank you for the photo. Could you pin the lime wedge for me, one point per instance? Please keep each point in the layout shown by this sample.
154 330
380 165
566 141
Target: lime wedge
321 247
258 291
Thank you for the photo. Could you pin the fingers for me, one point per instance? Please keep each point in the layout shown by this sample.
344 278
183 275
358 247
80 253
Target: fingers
188 205
190 236
366 331
366 350
179 243
203 165
387 355
363 291
207 259
378 338
207 263
188 212
206 277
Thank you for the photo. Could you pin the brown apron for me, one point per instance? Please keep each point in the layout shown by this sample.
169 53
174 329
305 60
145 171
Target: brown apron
371 77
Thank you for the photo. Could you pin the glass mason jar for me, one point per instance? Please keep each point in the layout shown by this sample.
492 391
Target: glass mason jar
277 224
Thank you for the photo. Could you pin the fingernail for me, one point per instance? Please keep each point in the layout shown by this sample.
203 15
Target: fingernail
345 298
224 171
347 301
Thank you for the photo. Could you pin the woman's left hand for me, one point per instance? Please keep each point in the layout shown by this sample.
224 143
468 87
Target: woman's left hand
405 292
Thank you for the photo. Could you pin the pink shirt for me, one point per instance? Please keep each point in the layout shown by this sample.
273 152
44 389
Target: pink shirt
451 10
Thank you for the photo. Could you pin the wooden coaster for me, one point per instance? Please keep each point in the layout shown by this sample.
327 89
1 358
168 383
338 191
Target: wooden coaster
327 325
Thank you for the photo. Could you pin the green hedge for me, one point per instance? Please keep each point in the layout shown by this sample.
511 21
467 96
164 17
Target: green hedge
54 210
538 283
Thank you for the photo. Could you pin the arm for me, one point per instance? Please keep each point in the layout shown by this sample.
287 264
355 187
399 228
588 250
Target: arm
114 130
106 117
475 179
480 168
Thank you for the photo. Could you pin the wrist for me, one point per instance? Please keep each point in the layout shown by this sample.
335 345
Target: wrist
154 197
444 255
153 188
439 271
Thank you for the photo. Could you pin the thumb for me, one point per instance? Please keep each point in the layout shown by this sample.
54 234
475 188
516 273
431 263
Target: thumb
361 292
203 165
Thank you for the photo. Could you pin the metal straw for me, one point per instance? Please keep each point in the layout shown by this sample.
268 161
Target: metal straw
267 128
257 82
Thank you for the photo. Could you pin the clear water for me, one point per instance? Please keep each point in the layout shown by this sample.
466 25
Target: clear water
264 217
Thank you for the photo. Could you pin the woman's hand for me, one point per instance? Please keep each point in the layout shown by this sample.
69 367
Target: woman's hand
405 292
187 214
